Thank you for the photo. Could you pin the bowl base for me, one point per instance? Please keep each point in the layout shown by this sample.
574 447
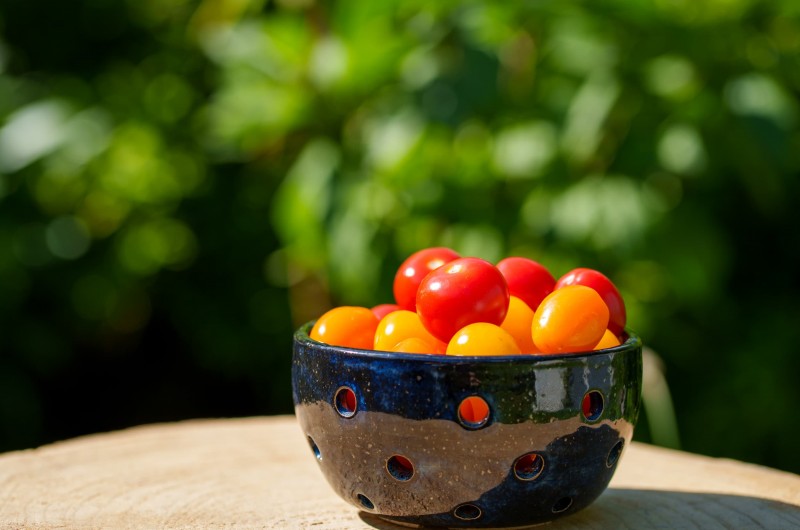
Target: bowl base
399 523
406 524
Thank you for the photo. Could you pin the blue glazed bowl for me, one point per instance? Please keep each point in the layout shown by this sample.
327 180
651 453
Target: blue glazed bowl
476 442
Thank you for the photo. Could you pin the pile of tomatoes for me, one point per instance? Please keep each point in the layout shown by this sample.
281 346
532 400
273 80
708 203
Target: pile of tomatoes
446 304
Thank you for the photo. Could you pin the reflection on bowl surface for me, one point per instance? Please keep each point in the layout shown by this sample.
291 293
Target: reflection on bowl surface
392 437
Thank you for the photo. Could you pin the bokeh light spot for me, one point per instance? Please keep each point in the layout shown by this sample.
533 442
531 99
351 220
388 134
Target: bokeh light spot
67 237
524 150
671 76
681 150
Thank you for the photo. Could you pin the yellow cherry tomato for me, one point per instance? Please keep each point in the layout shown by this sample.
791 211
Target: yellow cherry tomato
609 340
570 319
347 326
482 338
398 326
518 324
415 345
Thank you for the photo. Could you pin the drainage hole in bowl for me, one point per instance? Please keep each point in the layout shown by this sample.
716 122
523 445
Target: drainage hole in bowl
314 448
613 455
562 504
473 412
592 405
467 512
400 467
529 466
365 502
344 401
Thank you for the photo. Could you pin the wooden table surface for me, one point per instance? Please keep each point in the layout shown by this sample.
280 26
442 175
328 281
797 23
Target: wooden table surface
260 473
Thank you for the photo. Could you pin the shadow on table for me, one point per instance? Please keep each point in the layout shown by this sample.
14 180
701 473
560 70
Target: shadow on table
659 509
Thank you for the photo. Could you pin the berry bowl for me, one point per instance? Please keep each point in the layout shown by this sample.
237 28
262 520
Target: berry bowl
474 442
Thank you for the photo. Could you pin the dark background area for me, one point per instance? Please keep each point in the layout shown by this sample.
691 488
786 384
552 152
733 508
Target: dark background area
184 183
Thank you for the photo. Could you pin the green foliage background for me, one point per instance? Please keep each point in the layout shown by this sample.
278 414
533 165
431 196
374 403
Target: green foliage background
182 183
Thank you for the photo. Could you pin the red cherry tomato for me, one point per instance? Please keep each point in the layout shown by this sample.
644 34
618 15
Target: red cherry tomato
570 319
605 288
348 326
381 310
527 280
462 292
414 269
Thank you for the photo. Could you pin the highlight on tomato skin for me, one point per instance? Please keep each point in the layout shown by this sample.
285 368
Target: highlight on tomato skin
571 319
462 292
411 272
346 326
605 288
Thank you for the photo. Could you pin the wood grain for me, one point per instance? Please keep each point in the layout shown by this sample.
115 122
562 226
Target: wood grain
259 473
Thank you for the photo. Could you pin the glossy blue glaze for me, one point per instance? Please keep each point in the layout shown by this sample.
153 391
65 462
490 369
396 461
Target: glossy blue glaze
407 405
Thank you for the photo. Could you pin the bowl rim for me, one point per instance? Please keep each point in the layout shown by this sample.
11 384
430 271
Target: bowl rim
301 336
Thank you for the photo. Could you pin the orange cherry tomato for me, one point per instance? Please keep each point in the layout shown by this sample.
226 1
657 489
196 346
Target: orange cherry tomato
605 288
400 325
482 338
570 319
347 326
609 340
415 345
518 324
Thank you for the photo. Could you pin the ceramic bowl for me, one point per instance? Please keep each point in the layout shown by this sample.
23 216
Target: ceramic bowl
496 441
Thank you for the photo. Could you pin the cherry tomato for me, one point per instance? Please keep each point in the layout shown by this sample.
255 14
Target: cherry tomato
414 269
462 292
482 338
473 410
527 280
348 326
381 310
415 345
401 325
609 340
592 406
518 324
570 319
605 288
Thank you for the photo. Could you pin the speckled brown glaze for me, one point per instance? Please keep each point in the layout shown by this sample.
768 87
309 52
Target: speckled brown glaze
464 477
